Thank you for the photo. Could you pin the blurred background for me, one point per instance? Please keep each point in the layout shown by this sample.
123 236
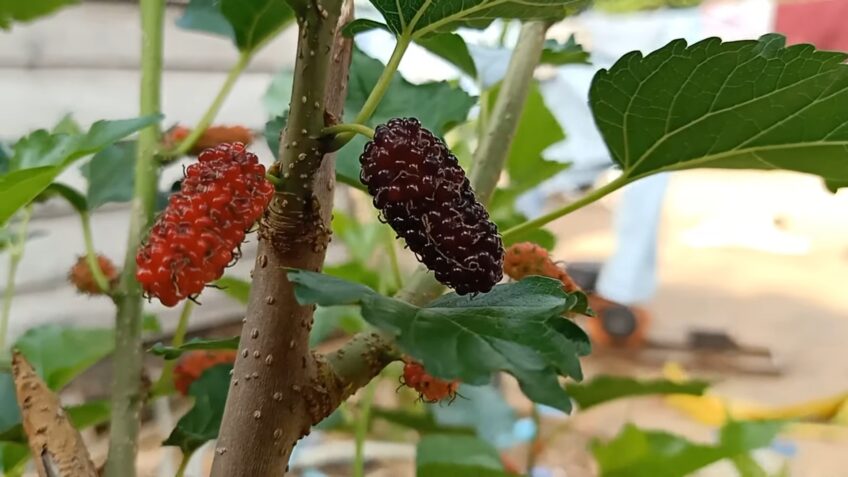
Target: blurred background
750 266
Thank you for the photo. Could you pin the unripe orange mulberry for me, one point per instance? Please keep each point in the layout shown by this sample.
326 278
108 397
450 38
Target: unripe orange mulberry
194 363
526 258
82 278
430 389
211 137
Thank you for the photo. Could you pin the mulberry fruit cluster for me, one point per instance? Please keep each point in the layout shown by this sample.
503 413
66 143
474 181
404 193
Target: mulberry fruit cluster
524 259
423 193
430 389
194 363
82 278
194 239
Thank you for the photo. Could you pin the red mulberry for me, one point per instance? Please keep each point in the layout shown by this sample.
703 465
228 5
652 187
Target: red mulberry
193 239
423 194
430 389
194 363
82 278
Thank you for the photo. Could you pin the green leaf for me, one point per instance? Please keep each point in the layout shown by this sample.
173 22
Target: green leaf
457 456
517 327
747 466
639 453
10 414
73 197
570 52
277 96
256 21
273 128
111 174
360 238
150 323
735 105
361 25
202 422
422 422
19 188
171 352
834 185
482 408
537 130
607 388
438 105
28 10
13 458
67 125
61 353
452 48
42 156
445 15
205 16
330 319
5 158
92 413
236 288
354 271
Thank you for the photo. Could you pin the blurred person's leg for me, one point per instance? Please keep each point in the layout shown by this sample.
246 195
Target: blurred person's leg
629 277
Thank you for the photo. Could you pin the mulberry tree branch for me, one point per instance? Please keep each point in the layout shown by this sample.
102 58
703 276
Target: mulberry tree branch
268 407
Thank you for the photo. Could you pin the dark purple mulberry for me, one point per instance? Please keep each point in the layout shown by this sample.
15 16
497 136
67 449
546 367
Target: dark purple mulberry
424 195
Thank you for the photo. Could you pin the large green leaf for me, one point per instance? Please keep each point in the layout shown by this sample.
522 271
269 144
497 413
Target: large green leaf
256 21
60 353
27 10
206 16
13 458
517 327
452 455
111 174
174 352
607 388
42 156
438 105
421 17
74 198
202 422
735 105
639 453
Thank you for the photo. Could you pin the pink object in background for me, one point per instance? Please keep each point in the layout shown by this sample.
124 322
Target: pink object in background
824 23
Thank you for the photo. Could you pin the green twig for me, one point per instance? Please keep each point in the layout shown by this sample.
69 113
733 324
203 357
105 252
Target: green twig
377 93
91 255
127 394
215 106
384 81
361 430
577 204
165 384
16 252
393 258
183 464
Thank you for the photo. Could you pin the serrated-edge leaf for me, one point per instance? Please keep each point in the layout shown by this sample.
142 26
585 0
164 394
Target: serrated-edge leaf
451 48
738 105
201 424
205 16
570 52
60 353
21 187
255 22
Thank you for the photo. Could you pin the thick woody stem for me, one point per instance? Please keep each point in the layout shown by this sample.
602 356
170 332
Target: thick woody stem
267 409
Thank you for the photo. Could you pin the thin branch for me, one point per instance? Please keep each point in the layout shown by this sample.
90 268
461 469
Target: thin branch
127 394
16 252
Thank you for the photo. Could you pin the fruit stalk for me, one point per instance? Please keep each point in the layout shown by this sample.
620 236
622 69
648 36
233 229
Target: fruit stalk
267 414
127 363
16 252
